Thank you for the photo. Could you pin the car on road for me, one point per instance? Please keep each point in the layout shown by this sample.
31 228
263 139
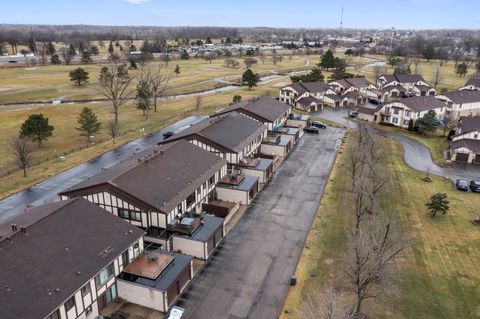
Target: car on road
176 313
311 129
353 114
319 124
475 186
167 134
461 185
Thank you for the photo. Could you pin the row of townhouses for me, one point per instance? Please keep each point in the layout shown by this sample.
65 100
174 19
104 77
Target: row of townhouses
312 96
134 230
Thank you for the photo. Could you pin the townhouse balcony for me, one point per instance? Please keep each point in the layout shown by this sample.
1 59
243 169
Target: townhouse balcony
233 178
272 138
185 224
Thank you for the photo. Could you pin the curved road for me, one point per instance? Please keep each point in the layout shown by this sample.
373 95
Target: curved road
416 154
47 190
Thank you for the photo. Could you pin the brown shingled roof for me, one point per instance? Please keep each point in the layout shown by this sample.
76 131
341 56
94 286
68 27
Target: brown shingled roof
469 124
464 96
161 182
422 103
65 245
230 132
471 144
263 108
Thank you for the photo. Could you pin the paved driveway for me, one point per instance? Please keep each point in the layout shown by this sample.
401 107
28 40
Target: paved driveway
248 276
417 155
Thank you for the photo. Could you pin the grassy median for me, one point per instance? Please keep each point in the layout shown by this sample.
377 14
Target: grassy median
438 273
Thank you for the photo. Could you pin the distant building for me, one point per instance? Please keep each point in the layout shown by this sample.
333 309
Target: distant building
461 103
399 113
413 84
471 84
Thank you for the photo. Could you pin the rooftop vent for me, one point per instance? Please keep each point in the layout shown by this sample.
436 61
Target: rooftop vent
78 273
14 227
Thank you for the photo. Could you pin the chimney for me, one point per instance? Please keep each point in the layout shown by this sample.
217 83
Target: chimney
14 227
155 151
23 229
140 160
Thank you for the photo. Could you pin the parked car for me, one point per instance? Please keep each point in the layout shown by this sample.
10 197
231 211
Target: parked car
311 129
353 114
168 134
319 124
475 186
461 185
176 313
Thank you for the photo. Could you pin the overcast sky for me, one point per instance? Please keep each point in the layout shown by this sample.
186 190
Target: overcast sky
402 14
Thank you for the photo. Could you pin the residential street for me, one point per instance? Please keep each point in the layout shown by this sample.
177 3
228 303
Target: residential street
417 155
248 277
47 190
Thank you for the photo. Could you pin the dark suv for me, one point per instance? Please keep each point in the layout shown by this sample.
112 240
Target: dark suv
475 186
461 185
311 129
319 124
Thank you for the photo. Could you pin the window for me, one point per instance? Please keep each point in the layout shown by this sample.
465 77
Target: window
125 259
191 199
88 310
199 192
406 122
86 290
55 315
395 111
130 214
394 120
211 181
70 304
407 113
179 208
103 276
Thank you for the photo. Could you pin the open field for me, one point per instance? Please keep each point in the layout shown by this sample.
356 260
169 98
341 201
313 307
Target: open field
66 138
438 271
435 141
46 83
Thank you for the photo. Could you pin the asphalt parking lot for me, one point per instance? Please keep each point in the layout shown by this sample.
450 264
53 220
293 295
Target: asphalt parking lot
248 277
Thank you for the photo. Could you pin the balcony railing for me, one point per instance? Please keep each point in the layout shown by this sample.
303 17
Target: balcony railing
272 138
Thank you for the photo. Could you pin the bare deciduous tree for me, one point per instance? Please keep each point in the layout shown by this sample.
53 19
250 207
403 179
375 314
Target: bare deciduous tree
437 77
416 62
371 253
42 52
22 151
115 85
328 304
160 81
198 103
112 127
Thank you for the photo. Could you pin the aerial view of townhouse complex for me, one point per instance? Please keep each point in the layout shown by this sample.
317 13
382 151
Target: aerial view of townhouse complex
318 169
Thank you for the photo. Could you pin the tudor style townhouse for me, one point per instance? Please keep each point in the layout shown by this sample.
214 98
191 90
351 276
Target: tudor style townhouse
263 109
465 145
472 84
359 84
461 103
62 260
412 84
231 136
399 113
162 191
238 139
308 96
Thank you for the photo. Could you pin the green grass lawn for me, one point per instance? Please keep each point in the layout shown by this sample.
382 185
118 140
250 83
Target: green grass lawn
45 83
438 272
66 138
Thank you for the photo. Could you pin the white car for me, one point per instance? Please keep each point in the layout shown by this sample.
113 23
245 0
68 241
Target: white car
176 313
